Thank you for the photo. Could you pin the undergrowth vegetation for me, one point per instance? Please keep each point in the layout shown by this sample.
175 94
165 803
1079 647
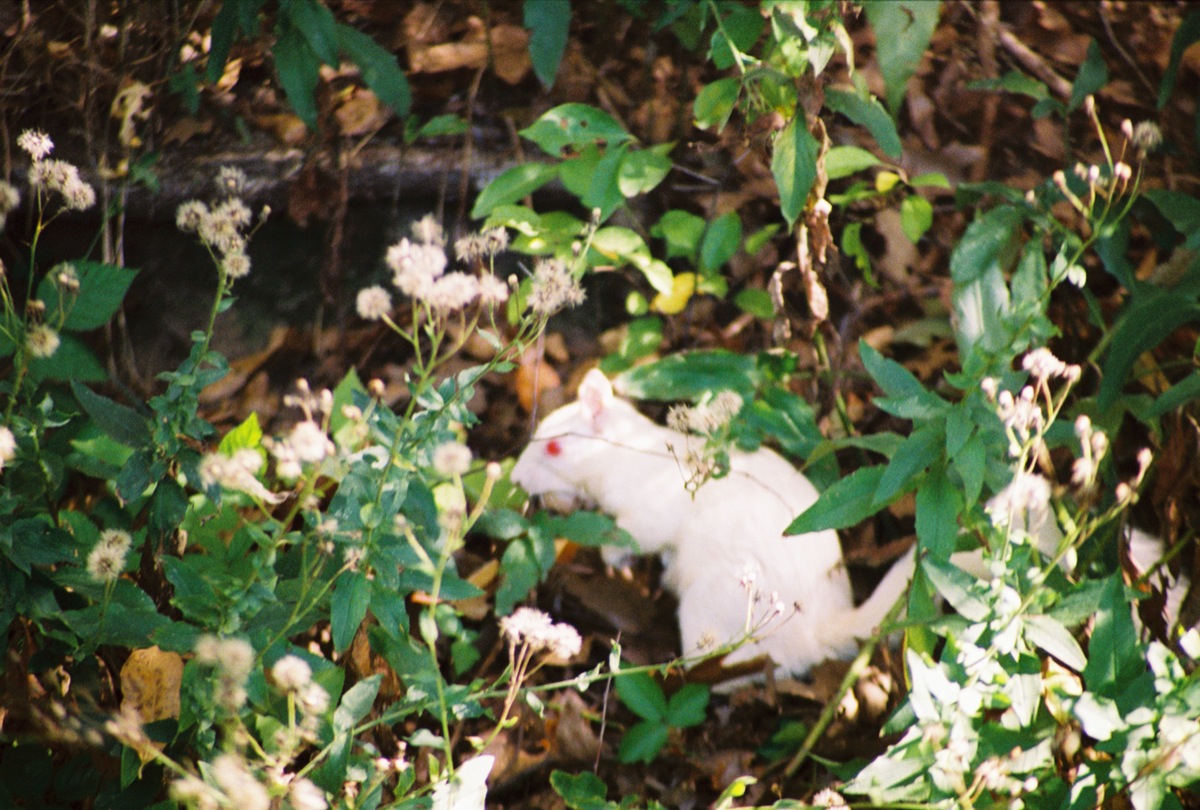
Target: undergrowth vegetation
197 606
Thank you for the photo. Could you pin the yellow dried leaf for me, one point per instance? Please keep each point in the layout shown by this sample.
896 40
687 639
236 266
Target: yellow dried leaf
150 682
683 286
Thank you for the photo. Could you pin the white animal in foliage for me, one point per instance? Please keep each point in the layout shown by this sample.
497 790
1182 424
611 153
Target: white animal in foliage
601 450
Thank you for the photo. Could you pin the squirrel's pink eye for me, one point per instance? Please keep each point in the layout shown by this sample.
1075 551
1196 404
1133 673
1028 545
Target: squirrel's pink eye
553 448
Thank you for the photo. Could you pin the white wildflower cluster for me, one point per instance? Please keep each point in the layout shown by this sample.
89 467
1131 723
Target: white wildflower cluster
707 418
222 226
308 442
233 660
238 472
1023 507
291 674
554 287
451 459
8 446
52 175
107 560
419 271
1093 445
475 247
41 341
536 632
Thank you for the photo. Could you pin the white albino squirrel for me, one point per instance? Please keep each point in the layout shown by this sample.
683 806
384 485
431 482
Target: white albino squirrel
601 450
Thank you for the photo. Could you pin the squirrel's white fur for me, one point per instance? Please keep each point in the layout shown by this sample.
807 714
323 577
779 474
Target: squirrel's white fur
601 450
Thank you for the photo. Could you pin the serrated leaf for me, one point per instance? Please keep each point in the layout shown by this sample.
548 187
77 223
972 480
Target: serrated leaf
549 22
849 501
118 421
642 695
794 166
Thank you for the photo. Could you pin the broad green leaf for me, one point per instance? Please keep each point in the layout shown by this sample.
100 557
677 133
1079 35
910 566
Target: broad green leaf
985 243
584 528
521 572
643 170
938 506
643 742
316 23
715 102
843 161
1182 210
1093 75
1114 660
549 23
1049 635
722 238
298 68
102 287
756 302
234 16
348 607
682 232
849 501
622 246
246 435
894 379
956 585
1186 35
903 29
512 185
923 447
794 166
592 177
689 375
582 791
642 695
118 421
501 524
982 307
740 29
867 113
916 216
356 703
382 74
687 707
575 126
71 361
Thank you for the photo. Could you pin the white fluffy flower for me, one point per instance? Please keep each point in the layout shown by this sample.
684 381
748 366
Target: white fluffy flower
373 303
291 673
451 458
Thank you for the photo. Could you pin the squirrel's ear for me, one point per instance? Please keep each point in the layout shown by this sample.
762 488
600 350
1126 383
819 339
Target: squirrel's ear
595 392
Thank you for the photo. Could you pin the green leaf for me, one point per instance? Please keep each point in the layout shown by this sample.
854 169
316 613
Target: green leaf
956 586
1014 81
1051 637
794 166
438 126
521 572
382 74
299 70
1182 210
986 242
316 23
118 421
1186 35
715 102
756 302
1152 315
739 30
1176 396
348 607
234 16
922 448
584 528
247 435
894 379
1114 660
1093 75
722 238
582 791
102 287
849 501
642 695
916 217
643 742
689 375
622 246
549 23
512 185
843 161
869 113
501 524
682 232
575 126
688 706
643 170
903 29
939 504
71 361
356 703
